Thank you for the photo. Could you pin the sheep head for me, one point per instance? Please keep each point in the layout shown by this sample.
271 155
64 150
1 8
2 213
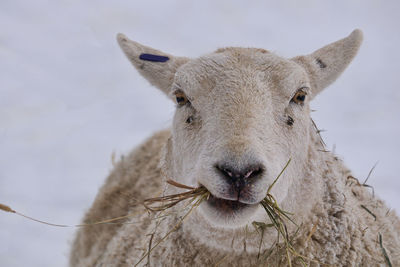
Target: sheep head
241 114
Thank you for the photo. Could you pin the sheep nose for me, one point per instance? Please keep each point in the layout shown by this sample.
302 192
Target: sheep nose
240 177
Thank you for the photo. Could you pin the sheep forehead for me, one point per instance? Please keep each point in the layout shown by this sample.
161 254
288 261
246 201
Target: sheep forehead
245 69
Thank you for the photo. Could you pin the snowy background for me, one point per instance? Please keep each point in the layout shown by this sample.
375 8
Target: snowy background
69 98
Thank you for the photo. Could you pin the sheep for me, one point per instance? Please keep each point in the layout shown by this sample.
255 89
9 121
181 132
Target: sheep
241 113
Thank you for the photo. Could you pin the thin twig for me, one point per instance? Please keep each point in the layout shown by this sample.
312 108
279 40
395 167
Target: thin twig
276 179
370 172
384 251
221 260
312 232
370 212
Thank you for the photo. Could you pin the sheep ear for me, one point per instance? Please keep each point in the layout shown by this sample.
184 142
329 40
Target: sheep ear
325 65
157 67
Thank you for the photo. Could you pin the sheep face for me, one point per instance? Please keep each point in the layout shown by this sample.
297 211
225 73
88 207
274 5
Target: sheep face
241 114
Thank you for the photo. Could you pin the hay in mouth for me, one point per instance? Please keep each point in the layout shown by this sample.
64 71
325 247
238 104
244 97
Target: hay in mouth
165 202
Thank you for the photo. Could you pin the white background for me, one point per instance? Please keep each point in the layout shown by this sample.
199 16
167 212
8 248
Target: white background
69 98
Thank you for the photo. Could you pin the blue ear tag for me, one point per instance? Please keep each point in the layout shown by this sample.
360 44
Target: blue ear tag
153 58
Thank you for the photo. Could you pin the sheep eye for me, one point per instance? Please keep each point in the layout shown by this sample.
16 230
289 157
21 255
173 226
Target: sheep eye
189 120
299 97
181 98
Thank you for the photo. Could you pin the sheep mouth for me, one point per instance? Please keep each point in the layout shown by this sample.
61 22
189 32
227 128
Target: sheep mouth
226 206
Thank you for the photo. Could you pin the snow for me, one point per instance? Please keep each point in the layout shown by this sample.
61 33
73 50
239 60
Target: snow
69 98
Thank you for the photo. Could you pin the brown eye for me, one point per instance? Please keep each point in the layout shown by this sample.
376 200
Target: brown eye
299 97
181 98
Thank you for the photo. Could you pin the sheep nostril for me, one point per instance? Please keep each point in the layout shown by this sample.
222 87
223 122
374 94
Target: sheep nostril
236 174
228 172
252 173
